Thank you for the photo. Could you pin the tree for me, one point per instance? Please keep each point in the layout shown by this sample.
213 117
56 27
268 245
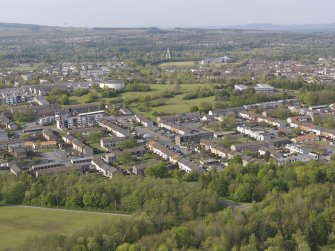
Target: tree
93 244
128 144
267 156
55 95
194 108
80 92
192 176
301 243
94 137
23 116
181 236
13 193
205 107
92 97
158 171
125 158
236 160
243 193
64 100
229 122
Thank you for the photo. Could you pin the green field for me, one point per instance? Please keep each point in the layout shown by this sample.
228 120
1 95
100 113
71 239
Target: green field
23 68
175 104
184 64
18 223
74 100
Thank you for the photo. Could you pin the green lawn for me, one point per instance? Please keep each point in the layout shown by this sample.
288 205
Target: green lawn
23 68
178 64
178 105
175 104
75 100
97 146
18 223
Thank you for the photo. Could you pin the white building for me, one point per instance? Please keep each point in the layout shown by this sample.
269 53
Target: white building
255 134
113 84
82 120
240 87
295 148
299 157
263 88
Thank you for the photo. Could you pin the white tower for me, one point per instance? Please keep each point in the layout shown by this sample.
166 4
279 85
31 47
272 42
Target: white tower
168 55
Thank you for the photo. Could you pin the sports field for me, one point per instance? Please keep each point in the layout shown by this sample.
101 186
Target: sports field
18 223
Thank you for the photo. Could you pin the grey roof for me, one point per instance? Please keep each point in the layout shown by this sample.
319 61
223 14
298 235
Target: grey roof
15 169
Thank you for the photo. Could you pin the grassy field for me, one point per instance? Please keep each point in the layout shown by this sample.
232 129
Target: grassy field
175 104
178 64
23 68
18 223
178 105
74 100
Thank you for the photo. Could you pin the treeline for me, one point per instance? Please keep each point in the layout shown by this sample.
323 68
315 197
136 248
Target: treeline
138 87
296 84
254 182
326 96
201 92
325 121
59 96
295 209
155 197
153 97
302 219
226 96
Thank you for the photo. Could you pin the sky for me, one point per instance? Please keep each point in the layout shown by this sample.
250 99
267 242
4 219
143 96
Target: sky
166 13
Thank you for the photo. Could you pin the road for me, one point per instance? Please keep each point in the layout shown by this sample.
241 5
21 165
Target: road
66 210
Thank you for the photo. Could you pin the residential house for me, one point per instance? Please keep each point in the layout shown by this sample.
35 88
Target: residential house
49 135
143 120
306 138
173 157
105 169
116 130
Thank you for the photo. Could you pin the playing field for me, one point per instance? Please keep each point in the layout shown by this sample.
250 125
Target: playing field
18 223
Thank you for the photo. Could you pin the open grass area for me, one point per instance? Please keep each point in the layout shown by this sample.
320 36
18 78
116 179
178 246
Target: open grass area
96 145
75 100
23 68
175 104
18 223
178 105
178 64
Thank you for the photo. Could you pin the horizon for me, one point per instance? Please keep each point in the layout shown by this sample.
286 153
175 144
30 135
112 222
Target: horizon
175 26
167 13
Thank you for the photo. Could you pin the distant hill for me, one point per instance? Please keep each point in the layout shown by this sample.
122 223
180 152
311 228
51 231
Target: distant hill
256 26
15 26
274 27
32 27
